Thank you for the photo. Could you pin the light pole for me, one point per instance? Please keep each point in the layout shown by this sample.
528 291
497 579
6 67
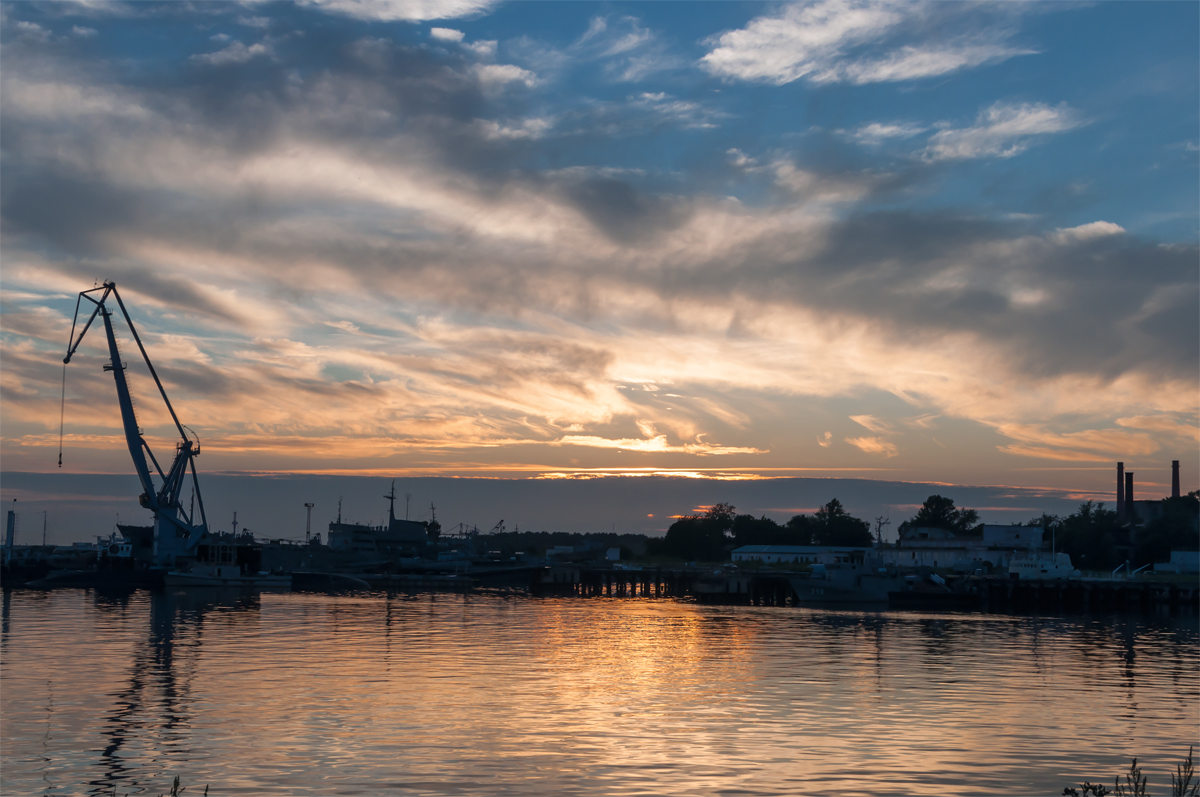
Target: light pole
308 523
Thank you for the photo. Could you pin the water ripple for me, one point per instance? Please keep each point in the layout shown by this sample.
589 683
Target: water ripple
290 694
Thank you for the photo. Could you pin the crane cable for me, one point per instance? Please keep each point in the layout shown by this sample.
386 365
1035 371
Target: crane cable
62 409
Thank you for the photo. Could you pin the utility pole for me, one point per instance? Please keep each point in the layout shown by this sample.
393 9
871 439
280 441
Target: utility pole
308 523
44 514
407 498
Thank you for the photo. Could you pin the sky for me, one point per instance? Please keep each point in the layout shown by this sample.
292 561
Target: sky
914 242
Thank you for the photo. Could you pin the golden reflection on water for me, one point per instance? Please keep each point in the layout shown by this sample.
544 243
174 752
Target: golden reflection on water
450 694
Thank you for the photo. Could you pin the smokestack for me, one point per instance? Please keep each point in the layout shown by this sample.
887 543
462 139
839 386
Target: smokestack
1174 478
1129 513
1120 489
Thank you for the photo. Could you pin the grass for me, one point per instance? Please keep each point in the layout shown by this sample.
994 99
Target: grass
1134 783
175 791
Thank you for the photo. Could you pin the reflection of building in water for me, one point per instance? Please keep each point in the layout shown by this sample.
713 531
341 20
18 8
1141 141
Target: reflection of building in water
154 708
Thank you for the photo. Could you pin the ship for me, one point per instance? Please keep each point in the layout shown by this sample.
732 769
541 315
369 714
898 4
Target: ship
845 583
226 575
1039 565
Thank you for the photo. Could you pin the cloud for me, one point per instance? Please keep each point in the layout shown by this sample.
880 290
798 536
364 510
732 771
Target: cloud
482 49
740 159
656 445
839 41
1002 131
524 129
668 109
494 76
912 63
631 39
810 186
235 53
873 445
871 422
31 31
1182 428
53 101
494 300
83 32
446 34
876 133
628 50
403 10
1089 445
1086 232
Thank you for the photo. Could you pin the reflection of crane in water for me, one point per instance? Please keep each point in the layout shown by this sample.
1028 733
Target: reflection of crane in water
155 707
176 530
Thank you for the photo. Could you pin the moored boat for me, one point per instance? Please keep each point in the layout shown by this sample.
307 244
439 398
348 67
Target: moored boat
1039 565
846 583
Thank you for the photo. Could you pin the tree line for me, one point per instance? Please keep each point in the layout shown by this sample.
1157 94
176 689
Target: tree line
1094 536
710 535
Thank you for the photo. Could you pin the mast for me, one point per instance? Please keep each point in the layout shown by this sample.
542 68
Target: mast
391 497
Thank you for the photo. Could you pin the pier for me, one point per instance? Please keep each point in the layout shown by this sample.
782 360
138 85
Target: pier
995 593
701 586
1087 594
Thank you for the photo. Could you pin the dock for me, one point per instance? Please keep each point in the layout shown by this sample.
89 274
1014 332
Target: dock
1088 594
700 586
993 593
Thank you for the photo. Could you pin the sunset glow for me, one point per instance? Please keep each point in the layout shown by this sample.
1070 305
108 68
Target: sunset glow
942 243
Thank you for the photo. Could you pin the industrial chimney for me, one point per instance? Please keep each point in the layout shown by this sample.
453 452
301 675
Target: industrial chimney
1120 489
1129 511
1174 478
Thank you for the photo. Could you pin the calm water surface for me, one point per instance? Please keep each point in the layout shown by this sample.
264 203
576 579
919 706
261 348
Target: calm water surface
295 694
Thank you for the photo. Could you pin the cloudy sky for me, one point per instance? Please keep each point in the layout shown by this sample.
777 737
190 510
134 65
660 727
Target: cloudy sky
906 241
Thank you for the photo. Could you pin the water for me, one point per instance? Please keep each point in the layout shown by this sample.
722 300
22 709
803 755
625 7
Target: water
296 694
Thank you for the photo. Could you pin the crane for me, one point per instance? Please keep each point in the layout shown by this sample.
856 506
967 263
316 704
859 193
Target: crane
176 530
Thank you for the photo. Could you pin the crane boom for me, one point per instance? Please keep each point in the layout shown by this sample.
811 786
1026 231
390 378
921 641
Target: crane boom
133 434
176 531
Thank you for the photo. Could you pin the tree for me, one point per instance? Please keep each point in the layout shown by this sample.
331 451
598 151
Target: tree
1089 536
749 530
940 513
833 525
701 536
800 530
1175 529
721 515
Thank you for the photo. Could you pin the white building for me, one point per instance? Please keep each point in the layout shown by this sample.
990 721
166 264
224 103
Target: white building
1025 537
1181 562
